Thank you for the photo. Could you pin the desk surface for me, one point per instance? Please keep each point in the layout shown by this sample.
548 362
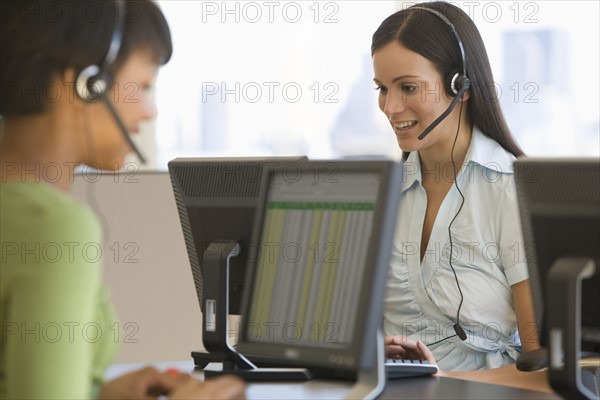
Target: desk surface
422 388
409 388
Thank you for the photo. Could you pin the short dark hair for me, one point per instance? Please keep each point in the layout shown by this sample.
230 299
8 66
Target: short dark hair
41 38
426 34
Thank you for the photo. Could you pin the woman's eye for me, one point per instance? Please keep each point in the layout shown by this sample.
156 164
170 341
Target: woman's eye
409 88
381 89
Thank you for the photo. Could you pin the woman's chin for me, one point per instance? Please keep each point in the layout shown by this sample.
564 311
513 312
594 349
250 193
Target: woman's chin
408 145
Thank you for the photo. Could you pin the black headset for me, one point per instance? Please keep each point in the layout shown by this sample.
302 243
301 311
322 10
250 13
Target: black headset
456 85
93 81
455 81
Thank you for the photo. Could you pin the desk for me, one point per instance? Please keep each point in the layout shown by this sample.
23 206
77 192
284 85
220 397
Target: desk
410 388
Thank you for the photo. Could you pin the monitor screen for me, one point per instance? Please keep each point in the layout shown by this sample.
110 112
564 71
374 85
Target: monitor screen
318 265
559 203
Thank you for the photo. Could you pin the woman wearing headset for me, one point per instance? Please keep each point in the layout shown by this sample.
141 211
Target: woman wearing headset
58 60
471 310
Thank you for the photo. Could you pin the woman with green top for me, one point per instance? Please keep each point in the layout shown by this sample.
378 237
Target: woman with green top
75 78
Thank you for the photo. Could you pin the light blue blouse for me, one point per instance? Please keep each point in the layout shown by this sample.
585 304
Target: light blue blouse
422 298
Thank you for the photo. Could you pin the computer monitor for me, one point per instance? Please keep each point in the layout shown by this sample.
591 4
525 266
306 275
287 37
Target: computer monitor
559 203
216 199
317 271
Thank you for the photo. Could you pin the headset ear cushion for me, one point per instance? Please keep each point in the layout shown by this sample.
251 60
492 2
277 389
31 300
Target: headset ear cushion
455 82
90 85
450 78
461 83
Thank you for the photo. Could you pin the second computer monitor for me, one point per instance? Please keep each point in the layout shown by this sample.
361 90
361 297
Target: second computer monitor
216 200
320 258
560 212
559 201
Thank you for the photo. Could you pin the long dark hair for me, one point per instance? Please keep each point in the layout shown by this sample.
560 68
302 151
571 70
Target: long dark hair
40 39
427 34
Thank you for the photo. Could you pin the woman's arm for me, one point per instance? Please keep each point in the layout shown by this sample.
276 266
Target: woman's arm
525 316
49 297
507 376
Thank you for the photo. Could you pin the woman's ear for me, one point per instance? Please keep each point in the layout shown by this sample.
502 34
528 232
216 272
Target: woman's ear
69 80
466 95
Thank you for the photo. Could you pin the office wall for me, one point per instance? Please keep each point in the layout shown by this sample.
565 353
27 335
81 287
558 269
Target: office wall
145 265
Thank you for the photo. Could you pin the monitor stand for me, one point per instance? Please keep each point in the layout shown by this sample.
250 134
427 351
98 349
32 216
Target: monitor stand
564 326
202 359
215 299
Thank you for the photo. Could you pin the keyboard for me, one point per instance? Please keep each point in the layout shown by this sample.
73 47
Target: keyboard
395 369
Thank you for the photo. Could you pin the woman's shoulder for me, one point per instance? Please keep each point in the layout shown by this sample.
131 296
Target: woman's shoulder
51 244
490 164
43 227
35 206
488 153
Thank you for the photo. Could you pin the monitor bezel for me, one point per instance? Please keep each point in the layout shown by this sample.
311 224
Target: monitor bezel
357 354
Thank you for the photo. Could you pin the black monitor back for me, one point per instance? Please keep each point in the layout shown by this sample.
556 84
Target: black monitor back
560 212
216 200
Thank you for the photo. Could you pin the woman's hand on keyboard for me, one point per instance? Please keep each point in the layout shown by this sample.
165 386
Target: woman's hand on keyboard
402 347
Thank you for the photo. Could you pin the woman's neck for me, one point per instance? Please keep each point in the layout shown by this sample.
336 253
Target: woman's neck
445 157
39 148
